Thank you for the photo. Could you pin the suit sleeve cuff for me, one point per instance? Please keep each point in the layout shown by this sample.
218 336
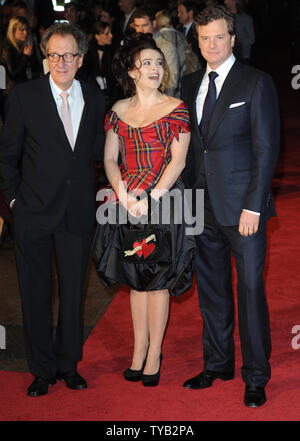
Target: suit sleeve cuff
253 212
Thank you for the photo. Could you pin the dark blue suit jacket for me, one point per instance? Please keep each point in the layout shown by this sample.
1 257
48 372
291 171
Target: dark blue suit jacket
239 154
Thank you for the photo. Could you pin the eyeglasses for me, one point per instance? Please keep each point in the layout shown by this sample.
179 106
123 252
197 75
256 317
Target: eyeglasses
67 57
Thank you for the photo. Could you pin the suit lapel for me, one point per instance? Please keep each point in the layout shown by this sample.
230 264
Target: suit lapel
225 98
194 89
85 112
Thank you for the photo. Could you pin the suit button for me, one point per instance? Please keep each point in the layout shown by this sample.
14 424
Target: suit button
205 151
209 174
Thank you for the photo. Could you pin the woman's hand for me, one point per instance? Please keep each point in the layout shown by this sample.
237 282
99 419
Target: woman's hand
130 204
140 208
156 193
27 49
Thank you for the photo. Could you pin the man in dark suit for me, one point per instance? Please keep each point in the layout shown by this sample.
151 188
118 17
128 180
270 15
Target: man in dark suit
52 134
128 8
186 12
233 154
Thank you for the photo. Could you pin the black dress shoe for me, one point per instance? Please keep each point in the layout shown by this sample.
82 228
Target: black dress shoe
206 379
152 380
254 396
40 386
73 380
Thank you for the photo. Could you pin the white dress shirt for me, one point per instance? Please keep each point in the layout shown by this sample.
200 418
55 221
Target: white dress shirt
222 72
187 28
75 100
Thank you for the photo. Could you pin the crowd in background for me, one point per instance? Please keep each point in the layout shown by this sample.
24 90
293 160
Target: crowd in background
260 24
109 22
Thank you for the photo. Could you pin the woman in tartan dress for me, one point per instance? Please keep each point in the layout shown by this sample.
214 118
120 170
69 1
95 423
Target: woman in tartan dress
151 131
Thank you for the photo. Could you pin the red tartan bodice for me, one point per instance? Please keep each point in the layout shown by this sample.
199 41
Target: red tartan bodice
146 151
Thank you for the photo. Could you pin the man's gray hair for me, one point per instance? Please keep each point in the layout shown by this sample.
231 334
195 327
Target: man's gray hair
65 29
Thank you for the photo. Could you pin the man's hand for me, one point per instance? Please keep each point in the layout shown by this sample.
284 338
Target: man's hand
248 223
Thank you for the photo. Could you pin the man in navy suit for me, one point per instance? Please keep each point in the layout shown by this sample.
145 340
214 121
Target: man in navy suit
52 134
233 154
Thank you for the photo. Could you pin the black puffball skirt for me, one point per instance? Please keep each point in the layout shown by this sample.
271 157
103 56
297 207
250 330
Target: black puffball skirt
174 273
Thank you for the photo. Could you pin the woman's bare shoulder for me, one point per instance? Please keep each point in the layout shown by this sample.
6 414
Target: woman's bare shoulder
172 102
174 99
120 105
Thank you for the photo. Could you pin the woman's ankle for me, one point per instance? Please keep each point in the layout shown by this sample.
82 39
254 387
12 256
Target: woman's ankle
138 358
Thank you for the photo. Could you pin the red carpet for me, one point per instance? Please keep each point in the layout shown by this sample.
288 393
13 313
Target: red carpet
108 349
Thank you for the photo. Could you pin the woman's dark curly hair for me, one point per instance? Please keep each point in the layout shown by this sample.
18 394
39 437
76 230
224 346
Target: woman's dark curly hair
125 60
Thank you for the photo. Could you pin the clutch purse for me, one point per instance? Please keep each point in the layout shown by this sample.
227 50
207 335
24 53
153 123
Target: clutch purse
146 242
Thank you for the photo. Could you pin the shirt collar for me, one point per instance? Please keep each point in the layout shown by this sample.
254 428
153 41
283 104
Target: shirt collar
223 70
57 90
187 26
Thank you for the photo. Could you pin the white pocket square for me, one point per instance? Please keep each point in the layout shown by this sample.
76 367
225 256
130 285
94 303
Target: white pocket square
236 105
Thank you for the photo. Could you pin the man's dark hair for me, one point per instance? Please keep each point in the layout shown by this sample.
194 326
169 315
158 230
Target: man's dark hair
72 5
189 6
143 12
216 13
66 29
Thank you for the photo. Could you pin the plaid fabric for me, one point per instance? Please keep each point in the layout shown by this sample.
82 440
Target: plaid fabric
146 151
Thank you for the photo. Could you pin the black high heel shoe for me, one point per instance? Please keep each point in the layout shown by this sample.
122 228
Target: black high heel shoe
135 375
152 380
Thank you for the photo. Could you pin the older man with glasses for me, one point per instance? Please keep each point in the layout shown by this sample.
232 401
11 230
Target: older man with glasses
54 126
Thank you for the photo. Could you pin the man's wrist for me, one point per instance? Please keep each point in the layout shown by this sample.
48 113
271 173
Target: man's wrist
250 211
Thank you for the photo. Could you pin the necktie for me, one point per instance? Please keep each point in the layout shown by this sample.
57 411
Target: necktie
66 118
209 103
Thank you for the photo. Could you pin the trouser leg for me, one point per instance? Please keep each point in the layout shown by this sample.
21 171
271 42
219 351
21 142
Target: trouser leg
213 272
249 253
72 252
33 252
